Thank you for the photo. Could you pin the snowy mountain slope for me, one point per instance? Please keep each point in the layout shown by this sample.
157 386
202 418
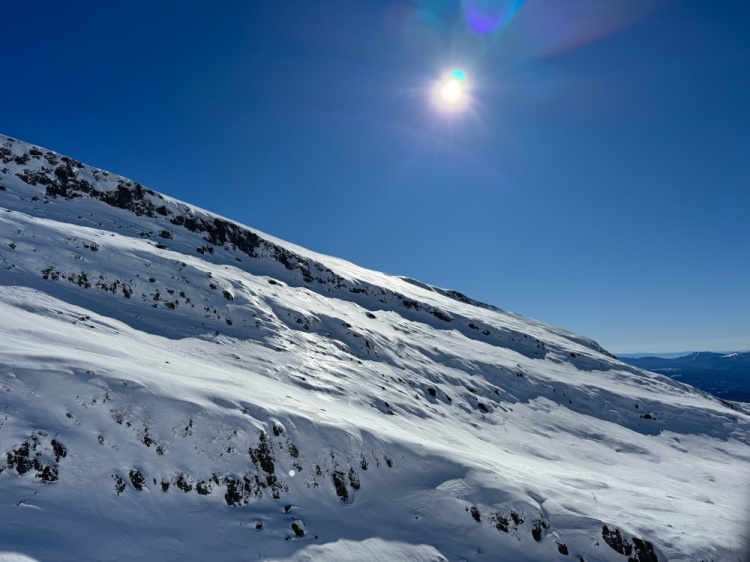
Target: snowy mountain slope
179 386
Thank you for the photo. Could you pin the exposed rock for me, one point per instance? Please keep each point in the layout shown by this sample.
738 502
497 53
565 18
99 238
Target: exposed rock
353 479
616 542
119 484
537 529
644 551
340 485
182 481
298 527
137 479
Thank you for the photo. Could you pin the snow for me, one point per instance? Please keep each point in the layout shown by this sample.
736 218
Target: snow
382 417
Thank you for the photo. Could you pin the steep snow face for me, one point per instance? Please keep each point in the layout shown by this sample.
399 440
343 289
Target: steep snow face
179 386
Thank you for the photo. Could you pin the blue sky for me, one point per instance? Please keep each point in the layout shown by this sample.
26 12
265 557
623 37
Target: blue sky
597 179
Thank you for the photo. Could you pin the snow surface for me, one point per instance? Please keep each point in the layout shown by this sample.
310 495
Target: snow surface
180 387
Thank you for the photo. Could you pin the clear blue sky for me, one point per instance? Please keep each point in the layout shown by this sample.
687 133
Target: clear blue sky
599 178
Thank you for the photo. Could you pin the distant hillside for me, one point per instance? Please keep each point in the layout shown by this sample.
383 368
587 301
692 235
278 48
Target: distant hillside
726 375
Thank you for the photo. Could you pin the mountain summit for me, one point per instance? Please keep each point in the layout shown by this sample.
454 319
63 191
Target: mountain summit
178 386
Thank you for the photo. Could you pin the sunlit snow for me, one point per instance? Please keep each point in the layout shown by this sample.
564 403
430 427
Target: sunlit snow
179 387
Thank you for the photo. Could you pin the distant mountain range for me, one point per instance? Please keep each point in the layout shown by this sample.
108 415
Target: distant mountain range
726 375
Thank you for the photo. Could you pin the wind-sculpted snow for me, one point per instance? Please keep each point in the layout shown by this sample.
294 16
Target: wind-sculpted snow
179 386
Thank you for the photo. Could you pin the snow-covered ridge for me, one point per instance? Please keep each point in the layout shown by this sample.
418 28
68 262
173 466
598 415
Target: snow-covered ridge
59 177
158 358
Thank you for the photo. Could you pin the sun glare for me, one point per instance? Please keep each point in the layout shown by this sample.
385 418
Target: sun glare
451 91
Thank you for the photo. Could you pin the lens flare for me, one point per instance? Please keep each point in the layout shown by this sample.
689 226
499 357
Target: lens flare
485 17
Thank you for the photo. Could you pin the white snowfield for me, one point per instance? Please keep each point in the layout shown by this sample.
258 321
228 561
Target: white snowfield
175 386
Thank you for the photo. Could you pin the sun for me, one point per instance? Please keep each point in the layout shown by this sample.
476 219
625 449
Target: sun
451 91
